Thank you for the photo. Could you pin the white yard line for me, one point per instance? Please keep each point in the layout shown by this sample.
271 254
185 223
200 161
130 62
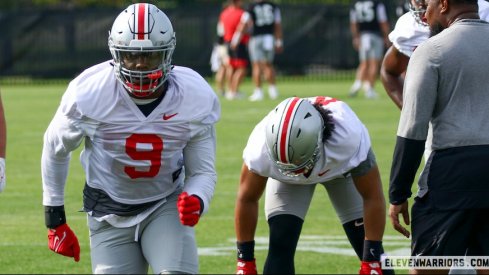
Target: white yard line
333 244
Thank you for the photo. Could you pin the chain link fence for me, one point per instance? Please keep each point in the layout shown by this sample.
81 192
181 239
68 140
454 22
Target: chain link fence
58 43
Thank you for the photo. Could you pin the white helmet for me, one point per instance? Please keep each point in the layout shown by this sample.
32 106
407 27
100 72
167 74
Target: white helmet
294 136
417 8
142 32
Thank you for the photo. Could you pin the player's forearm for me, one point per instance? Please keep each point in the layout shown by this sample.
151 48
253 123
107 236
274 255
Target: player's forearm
354 31
405 163
199 162
202 185
246 219
374 218
54 171
278 31
393 86
62 137
384 26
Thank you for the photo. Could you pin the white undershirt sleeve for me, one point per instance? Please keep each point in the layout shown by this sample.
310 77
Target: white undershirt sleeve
199 158
62 136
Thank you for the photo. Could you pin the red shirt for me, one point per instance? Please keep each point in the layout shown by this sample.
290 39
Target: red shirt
230 18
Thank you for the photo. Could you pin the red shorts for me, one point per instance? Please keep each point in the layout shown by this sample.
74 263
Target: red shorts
239 57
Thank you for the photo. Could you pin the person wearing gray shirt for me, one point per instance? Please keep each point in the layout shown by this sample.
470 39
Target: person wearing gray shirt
447 86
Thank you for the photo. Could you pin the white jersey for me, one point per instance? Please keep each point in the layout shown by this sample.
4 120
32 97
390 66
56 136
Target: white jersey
483 10
133 158
408 34
346 149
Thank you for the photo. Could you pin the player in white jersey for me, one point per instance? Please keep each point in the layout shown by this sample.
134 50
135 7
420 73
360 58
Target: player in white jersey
301 143
409 32
483 9
149 152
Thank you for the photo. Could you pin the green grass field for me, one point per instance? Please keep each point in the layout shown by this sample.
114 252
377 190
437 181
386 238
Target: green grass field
323 248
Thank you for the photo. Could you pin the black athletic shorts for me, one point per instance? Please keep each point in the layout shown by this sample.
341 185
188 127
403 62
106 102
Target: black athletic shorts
448 232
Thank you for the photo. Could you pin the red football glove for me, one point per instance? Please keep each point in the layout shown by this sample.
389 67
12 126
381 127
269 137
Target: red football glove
368 268
63 241
189 209
246 267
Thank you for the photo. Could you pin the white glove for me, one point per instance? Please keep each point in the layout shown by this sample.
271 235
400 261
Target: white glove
2 174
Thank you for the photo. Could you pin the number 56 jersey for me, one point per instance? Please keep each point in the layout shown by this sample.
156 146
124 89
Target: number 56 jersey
132 157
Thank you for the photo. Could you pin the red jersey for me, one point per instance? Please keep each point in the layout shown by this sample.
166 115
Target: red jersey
230 18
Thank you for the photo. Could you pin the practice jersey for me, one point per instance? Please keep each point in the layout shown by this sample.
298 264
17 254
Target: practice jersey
264 15
408 34
368 14
345 149
483 9
133 158
229 20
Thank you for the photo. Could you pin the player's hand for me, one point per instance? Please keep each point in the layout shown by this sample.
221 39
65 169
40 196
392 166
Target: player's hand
2 174
394 211
63 241
246 267
189 209
368 268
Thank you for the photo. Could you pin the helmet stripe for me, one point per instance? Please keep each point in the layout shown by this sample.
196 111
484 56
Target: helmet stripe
284 129
141 21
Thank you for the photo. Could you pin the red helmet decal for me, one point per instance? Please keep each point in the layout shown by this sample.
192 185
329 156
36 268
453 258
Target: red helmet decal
141 20
284 129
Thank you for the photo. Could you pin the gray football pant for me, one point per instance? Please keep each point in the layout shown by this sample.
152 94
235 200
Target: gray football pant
371 46
295 199
261 48
162 242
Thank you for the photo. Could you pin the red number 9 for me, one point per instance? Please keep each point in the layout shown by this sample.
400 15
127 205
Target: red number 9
154 156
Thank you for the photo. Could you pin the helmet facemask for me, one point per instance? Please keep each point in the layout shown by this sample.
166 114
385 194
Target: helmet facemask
141 43
293 170
417 8
152 75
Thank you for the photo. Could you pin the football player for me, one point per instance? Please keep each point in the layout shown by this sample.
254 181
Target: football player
265 21
369 27
149 150
3 146
229 19
303 142
409 32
